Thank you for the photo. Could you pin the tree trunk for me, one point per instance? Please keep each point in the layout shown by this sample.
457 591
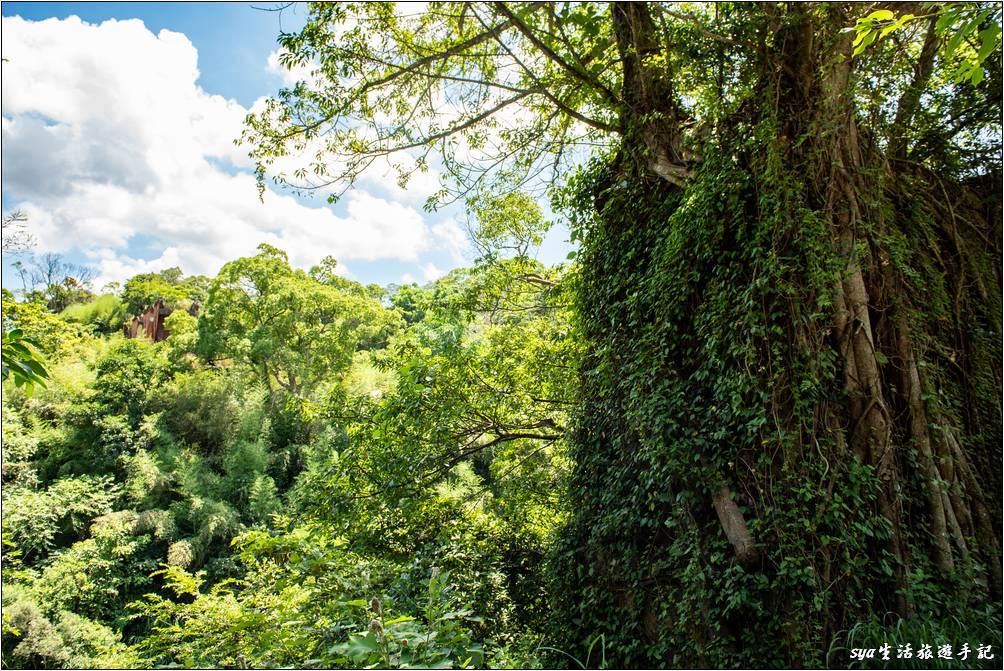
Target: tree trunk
756 411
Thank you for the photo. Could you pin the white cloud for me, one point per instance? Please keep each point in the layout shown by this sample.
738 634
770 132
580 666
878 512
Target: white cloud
290 76
113 265
453 238
111 147
419 186
373 229
430 272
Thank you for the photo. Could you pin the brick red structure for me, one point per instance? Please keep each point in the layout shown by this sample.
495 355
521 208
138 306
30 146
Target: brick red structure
151 322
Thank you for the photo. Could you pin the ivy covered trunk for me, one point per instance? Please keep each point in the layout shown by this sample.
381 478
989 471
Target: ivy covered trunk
790 422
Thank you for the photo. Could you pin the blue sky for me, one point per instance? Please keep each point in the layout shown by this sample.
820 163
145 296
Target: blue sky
232 38
117 138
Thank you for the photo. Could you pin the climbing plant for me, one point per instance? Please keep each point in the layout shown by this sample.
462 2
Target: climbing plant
789 289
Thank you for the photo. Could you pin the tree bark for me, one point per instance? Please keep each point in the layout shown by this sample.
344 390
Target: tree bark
649 106
910 99
918 430
875 407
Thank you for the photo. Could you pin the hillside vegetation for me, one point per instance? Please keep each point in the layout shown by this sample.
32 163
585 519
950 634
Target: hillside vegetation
755 421
313 473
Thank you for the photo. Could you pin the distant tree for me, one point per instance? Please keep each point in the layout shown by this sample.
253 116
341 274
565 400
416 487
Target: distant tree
172 275
51 279
288 326
411 301
66 293
170 285
140 291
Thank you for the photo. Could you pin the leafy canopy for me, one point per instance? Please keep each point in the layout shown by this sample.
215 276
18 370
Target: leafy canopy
290 327
495 89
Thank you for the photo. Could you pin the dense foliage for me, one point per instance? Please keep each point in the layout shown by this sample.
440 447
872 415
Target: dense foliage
788 423
312 473
755 423
729 386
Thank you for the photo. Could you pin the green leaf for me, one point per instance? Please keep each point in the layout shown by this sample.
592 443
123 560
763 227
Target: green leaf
989 40
869 37
944 21
953 44
881 15
36 367
960 35
360 647
887 30
359 603
397 620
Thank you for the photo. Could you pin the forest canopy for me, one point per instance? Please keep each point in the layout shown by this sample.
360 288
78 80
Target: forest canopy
753 421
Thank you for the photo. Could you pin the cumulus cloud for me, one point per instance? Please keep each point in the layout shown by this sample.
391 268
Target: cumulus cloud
430 272
109 142
452 237
290 76
418 187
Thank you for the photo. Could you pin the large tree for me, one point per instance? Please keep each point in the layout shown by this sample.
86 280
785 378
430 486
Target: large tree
292 328
789 419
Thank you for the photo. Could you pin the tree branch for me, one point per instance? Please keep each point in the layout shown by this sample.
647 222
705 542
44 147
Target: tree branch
552 56
908 102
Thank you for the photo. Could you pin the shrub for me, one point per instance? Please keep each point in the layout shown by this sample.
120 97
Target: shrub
97 576
105 313
263 499
202 410
146 482
67 640
37 323
38 521
126 376
243 463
